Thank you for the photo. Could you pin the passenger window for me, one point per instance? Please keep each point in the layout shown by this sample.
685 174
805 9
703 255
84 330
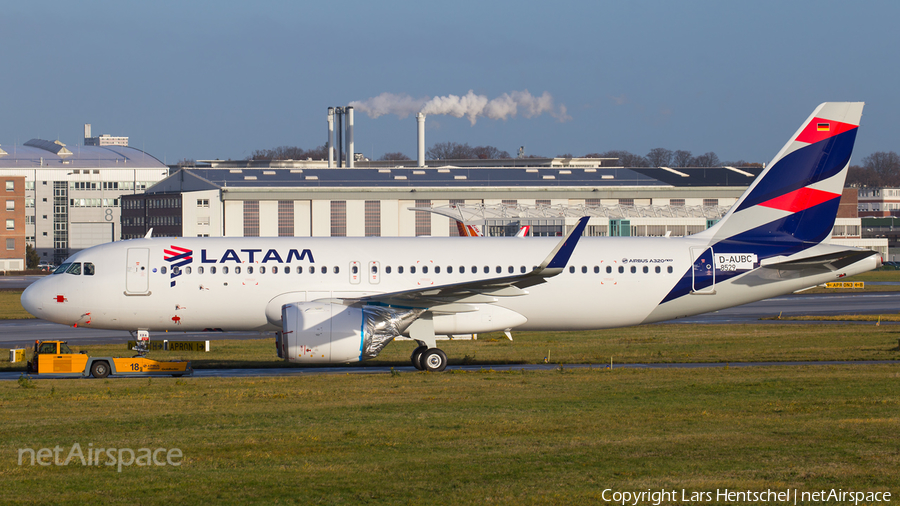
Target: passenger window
212 270
162 269
187 270
584 269
572 269
511 269
337 270
262 270
487 270
88 269
669 269
324 270
633 269
354 269
449 269
522 269
399 269
374 269
424 269
609 269
74 269
312 270
499 269
474 270
646 269
621 269
237 269
200 270
249 269
299 270
387 270
412 269
274 269
596 269
658 269
224 269
437 269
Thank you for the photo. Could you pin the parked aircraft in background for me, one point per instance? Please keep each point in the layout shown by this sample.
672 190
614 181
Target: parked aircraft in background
344 299
472 230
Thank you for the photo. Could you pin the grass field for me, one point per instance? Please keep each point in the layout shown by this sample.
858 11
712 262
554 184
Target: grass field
662 343
487 437
558 437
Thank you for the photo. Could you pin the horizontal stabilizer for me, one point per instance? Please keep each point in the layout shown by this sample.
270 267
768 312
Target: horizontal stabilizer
831 261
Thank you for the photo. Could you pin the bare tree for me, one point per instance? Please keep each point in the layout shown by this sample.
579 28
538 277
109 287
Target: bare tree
626 158
489 153
862 177
708 159
886 164
394 156
682 158
290 153
449 151
660 157
457 151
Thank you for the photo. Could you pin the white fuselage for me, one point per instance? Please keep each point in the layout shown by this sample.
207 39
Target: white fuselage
616 281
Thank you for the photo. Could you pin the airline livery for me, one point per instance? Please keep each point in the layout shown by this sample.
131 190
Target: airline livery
343 299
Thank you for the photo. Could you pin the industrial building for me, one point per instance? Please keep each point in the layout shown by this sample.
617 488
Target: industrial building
238 202
72 195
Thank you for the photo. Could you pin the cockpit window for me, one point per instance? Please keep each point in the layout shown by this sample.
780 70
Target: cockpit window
62 268
88 269
75 269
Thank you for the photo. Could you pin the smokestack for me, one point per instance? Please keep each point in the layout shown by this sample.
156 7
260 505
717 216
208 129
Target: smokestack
420 119
350 156
87 130
340 143
330 137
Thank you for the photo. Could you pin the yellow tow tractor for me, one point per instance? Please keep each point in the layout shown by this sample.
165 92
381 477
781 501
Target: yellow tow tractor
57 359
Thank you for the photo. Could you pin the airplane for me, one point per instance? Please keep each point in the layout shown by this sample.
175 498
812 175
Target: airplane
341 300
472 230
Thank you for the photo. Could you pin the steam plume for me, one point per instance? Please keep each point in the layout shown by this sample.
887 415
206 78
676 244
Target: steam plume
470 105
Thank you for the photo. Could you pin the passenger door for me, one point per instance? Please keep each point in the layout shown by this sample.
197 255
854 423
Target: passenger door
137 275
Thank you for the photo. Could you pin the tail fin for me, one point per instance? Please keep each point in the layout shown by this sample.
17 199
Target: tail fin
793 203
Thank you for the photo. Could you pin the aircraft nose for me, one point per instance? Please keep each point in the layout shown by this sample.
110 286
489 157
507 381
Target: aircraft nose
31 299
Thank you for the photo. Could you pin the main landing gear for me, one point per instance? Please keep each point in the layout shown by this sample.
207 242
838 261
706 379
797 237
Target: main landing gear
424 358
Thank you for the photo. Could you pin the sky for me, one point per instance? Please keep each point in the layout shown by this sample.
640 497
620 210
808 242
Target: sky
202 80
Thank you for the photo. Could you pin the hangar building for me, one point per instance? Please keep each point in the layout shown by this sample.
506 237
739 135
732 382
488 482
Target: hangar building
73 194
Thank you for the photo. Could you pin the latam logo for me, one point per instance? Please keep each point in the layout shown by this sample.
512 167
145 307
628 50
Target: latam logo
178 257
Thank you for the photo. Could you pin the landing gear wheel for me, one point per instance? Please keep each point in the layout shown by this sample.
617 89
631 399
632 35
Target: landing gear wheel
416 357
434 360
100 370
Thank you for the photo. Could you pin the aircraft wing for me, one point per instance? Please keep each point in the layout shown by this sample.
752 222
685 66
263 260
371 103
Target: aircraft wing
454 297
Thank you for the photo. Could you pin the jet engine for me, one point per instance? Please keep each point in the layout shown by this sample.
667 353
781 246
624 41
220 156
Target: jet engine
326 332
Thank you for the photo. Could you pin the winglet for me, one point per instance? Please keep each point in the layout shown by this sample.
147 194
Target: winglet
559 257
149 233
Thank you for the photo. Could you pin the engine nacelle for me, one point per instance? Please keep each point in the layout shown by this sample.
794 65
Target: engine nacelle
325 332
